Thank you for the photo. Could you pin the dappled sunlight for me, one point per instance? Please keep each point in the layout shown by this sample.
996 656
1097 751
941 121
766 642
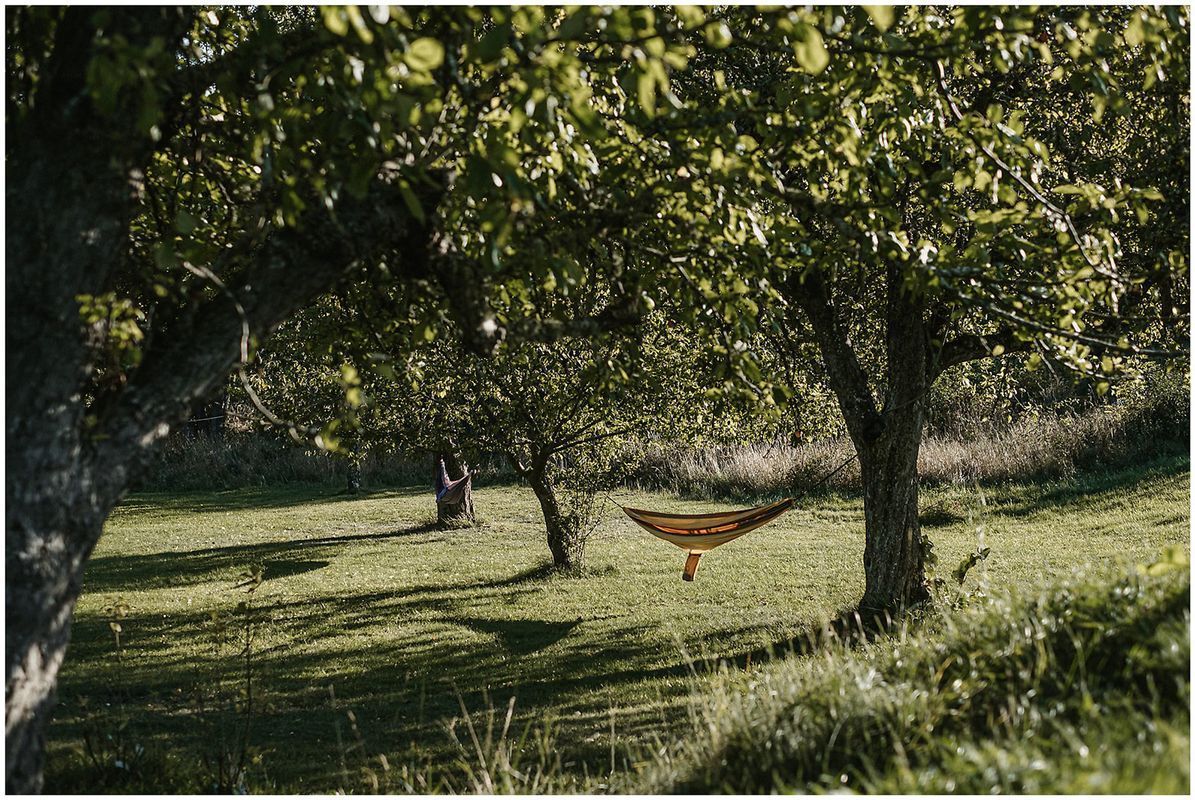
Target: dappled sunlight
405 622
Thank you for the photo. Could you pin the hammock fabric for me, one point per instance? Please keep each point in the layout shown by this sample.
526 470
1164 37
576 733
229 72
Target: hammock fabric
697 534
448 492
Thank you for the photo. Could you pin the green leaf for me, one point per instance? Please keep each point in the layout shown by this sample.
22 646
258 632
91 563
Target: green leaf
574 25
718 35
165 257
1134 34
335 20
424 54
882 16
810 50
358 22
413 204
691 17
646 86
184 222
491 45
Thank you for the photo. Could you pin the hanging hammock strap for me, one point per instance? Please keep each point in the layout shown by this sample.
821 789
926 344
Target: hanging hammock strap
837 470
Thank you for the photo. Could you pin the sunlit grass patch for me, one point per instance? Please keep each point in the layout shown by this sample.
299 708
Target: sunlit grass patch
1080 686
365 608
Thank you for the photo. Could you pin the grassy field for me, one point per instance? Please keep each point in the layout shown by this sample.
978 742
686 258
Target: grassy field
373 630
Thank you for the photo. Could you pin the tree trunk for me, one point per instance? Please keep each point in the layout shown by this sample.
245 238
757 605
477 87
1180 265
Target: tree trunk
47 542
455 513
887 443
564 540
353 478
74 181
353 462
68 202
893 559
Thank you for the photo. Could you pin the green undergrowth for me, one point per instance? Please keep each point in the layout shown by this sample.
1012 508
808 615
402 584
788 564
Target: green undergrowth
1081 686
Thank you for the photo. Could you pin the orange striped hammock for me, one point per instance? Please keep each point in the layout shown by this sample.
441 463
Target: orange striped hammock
697 534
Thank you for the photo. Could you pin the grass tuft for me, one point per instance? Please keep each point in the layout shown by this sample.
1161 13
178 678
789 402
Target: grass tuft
1078 687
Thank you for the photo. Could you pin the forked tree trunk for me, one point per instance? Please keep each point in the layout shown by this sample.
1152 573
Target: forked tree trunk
564 540
456 513
886 442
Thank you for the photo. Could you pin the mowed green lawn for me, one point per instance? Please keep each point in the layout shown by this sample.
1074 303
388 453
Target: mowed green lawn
404 623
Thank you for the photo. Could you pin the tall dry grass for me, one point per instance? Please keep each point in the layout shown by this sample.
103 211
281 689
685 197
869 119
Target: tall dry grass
1048 446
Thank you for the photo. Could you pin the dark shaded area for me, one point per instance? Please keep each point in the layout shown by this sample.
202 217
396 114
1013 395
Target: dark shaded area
125 573
940 515
199 502
521 636
273 570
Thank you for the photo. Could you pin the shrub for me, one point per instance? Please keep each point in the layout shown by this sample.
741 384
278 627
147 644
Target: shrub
1150 421
238 460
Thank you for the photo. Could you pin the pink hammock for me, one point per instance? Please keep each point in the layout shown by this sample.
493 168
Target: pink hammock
448 492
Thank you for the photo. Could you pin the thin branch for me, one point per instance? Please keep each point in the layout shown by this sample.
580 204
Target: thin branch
1030 188
1102 344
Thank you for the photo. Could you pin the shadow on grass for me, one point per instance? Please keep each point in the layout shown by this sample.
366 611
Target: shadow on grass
258 498
273 570
402 687
190 567
1063 495
521 636
403 683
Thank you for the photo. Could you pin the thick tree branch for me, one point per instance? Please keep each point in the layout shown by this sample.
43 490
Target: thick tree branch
906 340
846 375
291 268
972 346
